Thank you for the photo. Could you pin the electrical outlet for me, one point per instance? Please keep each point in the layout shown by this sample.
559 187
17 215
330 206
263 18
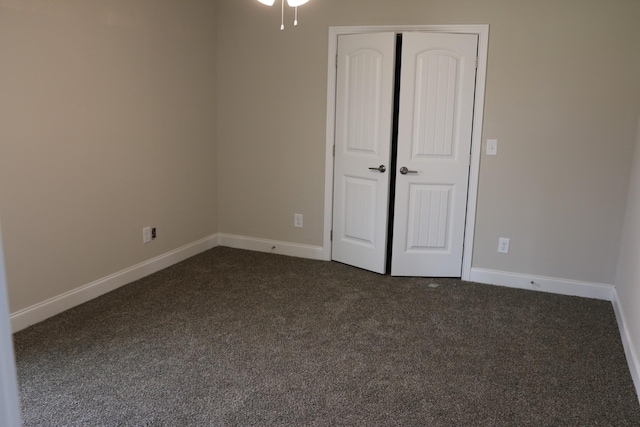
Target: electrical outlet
297 220
146 234
503 245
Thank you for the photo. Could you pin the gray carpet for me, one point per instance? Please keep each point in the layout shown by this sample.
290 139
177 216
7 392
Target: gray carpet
238 338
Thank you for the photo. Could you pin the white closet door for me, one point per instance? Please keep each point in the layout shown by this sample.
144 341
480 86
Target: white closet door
364 104
434 142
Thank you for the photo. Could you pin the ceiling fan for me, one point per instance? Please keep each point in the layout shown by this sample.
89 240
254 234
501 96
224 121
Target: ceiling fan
291 3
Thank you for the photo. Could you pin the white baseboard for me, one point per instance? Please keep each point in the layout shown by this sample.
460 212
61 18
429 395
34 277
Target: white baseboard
569 287
56 305
272 246
627 343
41 311
544 284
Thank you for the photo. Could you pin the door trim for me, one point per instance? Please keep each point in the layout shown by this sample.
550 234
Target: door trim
9 399
476 137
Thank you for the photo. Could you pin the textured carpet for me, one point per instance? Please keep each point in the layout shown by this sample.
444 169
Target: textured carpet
232 337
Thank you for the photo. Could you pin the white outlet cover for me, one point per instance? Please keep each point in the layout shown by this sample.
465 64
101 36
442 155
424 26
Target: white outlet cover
503 245
146 234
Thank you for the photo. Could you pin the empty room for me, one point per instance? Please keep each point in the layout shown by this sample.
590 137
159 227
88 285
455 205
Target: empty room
331 212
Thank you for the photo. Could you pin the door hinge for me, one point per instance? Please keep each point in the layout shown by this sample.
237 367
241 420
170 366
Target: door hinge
331 236
470 156
334 150
477 61
336 60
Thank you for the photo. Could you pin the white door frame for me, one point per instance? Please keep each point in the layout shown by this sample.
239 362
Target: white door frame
9 405
476 138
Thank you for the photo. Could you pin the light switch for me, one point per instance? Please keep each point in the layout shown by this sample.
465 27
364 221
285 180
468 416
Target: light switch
492 147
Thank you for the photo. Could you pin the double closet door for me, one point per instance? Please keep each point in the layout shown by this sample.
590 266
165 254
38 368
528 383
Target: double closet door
402 168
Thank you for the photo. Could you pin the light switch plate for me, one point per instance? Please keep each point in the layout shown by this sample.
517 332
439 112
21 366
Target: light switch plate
492 147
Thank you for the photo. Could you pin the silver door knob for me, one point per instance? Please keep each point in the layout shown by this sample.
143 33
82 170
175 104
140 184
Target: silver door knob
380 169
404 170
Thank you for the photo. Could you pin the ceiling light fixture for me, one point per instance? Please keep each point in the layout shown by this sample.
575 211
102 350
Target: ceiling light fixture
292 3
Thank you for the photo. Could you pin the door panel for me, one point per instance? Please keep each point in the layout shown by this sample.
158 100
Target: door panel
434 144
429 209
364 103
360 201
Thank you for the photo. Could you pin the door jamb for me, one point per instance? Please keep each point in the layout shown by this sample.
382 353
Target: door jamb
482 31
9 399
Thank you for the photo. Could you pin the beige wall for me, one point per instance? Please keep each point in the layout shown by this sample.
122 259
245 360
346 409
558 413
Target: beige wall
561 99
106 125
120 114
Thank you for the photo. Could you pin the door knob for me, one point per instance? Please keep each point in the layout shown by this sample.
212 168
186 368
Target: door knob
380 169
404 170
